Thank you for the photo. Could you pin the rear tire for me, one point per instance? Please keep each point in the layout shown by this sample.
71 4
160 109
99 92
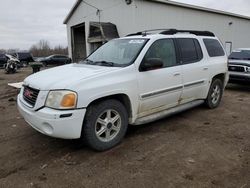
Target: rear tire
105 125
215 94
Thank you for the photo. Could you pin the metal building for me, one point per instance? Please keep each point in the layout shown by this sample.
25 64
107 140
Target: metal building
90 23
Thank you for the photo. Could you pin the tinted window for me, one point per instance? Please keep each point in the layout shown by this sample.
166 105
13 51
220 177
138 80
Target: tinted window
165 50
214 48
24 55
240 54
190 50
198 49
2 56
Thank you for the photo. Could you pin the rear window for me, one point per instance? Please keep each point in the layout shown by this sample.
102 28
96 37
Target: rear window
190 50
240 54
214 48
2 55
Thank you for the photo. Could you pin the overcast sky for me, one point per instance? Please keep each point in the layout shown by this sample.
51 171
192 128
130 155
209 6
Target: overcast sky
25 22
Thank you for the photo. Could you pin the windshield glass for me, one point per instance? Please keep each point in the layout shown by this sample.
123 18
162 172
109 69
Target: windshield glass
118 52
241 55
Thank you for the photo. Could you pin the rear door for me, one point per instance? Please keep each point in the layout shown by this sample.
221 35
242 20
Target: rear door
160 88
195 69
56 60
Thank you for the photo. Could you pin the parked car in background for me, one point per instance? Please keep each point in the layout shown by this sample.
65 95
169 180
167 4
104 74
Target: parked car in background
3 60
55 60
24 57
239 65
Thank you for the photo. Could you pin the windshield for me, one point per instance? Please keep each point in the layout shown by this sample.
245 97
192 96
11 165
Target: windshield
241 55
118 52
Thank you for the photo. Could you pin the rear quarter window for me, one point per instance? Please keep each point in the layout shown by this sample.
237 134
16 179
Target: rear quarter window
213 47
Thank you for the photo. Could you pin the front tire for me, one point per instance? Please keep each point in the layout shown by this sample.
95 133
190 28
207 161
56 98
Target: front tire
215 94
105 125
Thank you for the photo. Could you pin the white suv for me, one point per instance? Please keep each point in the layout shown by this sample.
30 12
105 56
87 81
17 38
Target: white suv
132 80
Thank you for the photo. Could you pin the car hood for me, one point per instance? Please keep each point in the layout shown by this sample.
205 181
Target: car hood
63 77
239 62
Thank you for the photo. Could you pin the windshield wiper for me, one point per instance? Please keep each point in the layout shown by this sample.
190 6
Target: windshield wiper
88 61
101 63
105 63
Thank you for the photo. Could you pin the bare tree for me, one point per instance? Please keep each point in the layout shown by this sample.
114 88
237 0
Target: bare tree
2 51
42 49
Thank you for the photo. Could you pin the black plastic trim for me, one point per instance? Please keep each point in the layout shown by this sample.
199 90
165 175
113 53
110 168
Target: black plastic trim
161 92
194 83
66 115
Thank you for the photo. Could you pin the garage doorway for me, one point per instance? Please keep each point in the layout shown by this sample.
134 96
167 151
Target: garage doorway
100 33
78 42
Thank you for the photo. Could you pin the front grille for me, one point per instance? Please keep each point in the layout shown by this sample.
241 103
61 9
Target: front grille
30 95
236 68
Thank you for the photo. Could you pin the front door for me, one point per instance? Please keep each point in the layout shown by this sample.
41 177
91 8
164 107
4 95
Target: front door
160 88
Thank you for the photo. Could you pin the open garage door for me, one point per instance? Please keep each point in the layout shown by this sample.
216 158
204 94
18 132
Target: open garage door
78 42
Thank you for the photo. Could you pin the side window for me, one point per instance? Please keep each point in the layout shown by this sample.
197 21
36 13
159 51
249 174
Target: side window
214 48
198 49
190 50
163 49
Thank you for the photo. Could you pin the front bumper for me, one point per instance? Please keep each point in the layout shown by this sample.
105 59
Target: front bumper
239 77
65 124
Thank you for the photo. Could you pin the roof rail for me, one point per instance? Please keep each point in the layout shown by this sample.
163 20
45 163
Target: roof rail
174 31
194 32
144 33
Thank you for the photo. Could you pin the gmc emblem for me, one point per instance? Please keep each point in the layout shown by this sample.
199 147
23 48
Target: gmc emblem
28 93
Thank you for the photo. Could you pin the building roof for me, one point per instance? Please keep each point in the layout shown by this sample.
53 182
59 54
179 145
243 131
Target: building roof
173 3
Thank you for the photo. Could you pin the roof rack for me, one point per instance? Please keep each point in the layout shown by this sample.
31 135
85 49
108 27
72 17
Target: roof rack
174 31
194 32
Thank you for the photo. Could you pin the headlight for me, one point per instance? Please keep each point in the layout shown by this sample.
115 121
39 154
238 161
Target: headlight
248 69
61 99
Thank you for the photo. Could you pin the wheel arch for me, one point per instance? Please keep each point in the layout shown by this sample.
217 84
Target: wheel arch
122 98
221 76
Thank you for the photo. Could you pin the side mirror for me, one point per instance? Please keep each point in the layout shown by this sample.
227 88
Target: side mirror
150 64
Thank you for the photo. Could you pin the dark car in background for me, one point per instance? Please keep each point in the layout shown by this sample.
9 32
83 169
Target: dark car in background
3 60
239 65
55 60
24 57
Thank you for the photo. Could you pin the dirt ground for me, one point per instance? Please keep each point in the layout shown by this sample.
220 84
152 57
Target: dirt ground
197 148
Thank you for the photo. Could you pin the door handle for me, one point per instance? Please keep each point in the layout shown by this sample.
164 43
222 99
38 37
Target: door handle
205 68
177 74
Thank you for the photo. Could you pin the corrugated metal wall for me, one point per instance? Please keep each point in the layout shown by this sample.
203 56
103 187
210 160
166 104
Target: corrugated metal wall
141 15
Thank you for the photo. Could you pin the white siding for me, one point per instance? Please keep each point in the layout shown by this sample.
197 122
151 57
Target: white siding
141 15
